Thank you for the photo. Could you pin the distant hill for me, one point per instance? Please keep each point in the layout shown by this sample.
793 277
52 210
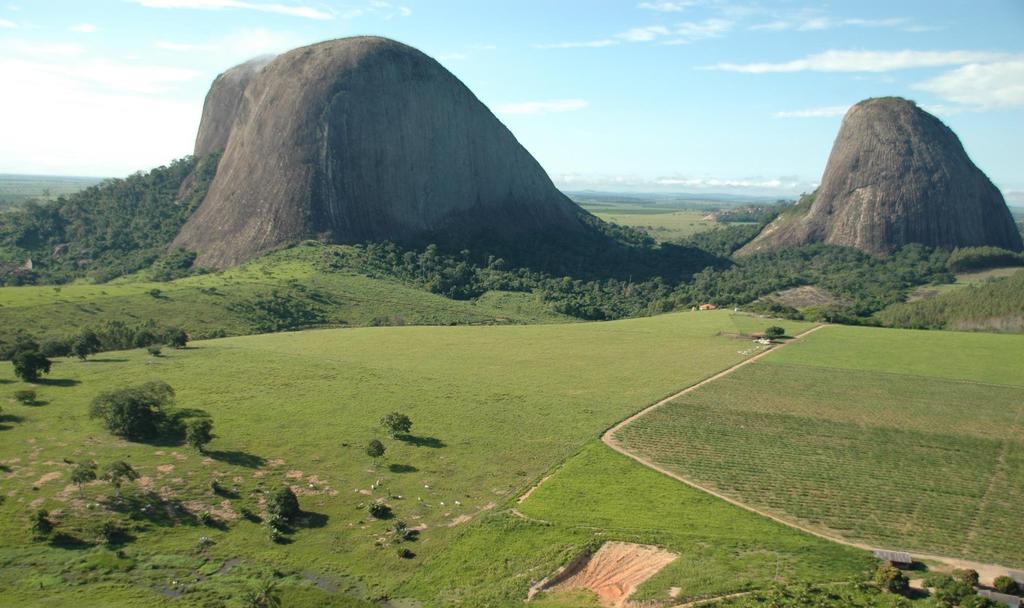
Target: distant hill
365 139
896 176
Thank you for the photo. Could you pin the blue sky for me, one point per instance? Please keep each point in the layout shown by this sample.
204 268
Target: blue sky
658 95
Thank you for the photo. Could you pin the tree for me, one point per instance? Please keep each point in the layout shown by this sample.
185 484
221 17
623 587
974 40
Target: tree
199 432
284 504
40 524
85 343
175 337
136 412
892 579
29 365
966 576
117 473
396 424
83 474
1005 584
774 332
375 450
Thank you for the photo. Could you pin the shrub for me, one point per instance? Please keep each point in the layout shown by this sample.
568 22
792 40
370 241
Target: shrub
86 343
199 432
375 449
952 592
117 473
977 601
284 504
405 553
892 579
154 351
55 348
379 510
111 533
41 525
30 365
1005 584
175 337
136 412
396 423
774 332
25 397
966 576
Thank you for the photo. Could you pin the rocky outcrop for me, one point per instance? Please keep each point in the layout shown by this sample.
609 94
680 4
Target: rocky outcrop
363 139
897 175
222 103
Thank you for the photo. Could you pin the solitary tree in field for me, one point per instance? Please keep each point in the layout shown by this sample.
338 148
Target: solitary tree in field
40 524
176 337
774 332
284 504
396 424
117 473
29 365
375 450
83 474
199 432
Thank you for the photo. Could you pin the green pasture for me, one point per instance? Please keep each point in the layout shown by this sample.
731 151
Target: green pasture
494 408
906 440
664 224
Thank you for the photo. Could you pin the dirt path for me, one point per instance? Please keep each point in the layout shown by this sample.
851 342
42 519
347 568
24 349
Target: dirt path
986 572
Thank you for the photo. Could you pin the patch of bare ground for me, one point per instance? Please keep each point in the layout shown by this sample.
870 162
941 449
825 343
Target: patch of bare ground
461 519
806 295
613 572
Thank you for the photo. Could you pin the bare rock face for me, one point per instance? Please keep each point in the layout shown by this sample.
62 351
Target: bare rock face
364 139
897 175
222 104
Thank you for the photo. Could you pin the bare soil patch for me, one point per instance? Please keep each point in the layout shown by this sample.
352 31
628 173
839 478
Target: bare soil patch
613 572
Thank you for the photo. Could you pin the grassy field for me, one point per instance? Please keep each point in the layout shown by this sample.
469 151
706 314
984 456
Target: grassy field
662 224
493 408
966 279
16 189
218 302
903 439
600 495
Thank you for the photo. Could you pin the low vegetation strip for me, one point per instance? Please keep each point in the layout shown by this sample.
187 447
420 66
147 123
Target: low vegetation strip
890 458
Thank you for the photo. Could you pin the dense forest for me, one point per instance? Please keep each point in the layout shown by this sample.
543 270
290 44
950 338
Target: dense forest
105 231
997 305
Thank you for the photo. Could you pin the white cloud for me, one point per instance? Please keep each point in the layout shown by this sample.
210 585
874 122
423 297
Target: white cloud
681 33
807 23
84 28
993 85
864 61
239 45
685 33
404 11
788 185
93 118
5 24
542 107
280 9
642 34
666 6
820 112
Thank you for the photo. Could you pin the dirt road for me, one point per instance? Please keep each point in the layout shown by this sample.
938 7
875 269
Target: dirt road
986 572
